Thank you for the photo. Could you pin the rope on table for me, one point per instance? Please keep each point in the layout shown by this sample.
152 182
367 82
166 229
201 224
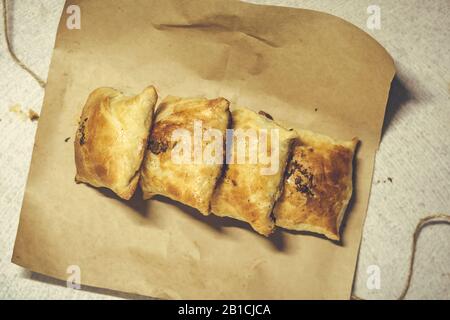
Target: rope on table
432 219
11 52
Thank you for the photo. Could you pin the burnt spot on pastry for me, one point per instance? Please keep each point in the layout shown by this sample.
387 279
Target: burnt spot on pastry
100 171
82 131
160 138
265 114
303 179
158 146
341 157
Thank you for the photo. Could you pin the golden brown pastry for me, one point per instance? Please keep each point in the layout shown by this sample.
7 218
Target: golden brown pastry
248 190
112 137
318 185
179 168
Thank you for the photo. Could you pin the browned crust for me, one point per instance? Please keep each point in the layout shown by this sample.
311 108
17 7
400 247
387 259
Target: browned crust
104 154
244 193
190 184
318 186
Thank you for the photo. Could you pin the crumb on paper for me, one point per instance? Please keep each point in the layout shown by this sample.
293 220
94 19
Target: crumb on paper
388 179
33 115
67 139
316 109
17 109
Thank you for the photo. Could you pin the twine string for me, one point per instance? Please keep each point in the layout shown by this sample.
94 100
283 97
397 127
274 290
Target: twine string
10 50
424 222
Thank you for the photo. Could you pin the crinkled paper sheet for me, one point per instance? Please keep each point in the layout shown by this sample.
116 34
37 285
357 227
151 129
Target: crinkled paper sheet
305 68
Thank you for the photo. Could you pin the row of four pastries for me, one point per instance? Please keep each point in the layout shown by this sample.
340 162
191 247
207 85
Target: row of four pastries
239 163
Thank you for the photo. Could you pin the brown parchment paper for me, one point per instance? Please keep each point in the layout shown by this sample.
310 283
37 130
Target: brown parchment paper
306 68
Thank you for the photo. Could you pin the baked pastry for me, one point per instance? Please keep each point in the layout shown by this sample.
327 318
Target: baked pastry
179 164
112 137
318 185
253 179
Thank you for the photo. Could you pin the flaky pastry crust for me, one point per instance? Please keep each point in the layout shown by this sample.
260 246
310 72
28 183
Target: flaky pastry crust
112 137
